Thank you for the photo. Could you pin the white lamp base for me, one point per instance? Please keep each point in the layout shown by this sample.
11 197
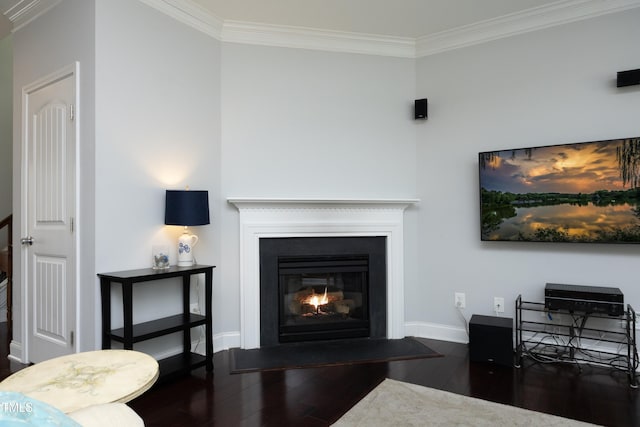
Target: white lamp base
186 242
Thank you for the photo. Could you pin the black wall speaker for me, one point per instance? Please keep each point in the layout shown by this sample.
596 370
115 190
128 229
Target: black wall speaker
491 339
628 78
420 109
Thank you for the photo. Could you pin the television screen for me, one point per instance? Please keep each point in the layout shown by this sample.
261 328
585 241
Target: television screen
580 192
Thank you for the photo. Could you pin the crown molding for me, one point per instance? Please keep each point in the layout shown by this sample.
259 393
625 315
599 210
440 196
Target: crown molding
191 14
557 13
311 38
26 11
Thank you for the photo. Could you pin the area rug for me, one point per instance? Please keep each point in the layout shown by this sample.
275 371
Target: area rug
395 403
327 353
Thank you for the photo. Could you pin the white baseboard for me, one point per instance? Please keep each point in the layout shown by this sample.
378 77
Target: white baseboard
226 340
15 352
222 341
436 331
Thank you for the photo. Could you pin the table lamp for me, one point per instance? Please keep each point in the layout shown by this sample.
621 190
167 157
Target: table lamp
186 208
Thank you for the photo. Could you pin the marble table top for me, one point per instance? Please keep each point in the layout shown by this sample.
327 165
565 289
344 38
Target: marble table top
80 380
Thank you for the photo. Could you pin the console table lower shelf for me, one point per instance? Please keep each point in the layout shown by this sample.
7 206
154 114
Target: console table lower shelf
561 336
178 364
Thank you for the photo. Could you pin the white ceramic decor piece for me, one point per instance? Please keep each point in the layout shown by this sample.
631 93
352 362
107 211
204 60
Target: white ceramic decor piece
186 242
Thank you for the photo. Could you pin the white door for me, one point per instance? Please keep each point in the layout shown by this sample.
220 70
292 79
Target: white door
49 202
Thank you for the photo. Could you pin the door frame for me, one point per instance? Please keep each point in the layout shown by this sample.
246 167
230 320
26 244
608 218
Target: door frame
73 70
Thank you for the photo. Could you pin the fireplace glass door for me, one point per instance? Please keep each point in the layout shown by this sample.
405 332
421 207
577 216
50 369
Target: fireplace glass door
323 297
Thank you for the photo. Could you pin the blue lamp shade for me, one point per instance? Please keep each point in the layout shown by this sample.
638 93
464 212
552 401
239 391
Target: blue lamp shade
186 207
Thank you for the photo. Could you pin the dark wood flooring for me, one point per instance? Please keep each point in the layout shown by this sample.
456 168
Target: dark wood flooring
319 396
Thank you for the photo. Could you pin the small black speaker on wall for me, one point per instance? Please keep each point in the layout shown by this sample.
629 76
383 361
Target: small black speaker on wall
420 109
628 78
491 339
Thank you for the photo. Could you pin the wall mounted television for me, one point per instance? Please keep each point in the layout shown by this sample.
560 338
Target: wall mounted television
585 192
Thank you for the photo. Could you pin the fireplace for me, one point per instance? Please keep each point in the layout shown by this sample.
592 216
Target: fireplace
320 288
264 218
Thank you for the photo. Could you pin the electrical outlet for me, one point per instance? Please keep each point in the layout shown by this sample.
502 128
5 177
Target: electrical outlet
498 304
623 324
460 300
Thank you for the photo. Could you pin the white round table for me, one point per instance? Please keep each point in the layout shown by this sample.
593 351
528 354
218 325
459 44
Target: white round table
81 380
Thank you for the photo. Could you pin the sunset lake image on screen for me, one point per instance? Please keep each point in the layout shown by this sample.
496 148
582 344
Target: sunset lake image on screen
580 192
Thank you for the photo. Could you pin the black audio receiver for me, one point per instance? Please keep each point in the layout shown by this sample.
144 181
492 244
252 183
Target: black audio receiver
584 299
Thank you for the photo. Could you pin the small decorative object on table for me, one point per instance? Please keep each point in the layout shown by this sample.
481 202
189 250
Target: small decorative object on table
160 257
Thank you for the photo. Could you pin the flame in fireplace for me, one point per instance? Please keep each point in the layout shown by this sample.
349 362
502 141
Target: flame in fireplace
317 300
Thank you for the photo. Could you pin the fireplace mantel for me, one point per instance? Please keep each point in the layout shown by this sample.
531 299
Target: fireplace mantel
285 217
257 203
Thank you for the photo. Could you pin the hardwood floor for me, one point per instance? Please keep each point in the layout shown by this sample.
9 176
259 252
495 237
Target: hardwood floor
319 396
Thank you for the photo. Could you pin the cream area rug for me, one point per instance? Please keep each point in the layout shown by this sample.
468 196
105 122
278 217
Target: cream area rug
396 403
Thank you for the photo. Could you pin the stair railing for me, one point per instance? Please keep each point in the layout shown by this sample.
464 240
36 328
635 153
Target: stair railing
8 222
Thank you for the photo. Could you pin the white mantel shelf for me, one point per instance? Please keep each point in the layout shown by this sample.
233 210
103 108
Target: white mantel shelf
287 217
250 202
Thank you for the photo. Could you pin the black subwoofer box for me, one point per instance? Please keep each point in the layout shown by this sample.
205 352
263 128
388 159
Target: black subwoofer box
491 339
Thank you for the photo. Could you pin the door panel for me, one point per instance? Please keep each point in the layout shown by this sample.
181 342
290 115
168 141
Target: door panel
49 134
50 203
49 300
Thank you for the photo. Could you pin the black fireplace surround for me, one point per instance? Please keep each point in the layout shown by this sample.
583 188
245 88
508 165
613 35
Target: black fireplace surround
322 288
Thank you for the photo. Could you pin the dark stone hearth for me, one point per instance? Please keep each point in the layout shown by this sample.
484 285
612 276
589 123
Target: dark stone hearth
327 353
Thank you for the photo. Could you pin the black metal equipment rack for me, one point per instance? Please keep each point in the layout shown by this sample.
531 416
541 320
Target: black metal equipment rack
562 342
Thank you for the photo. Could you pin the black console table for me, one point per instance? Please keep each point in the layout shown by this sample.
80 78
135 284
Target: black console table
607 341
132 333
